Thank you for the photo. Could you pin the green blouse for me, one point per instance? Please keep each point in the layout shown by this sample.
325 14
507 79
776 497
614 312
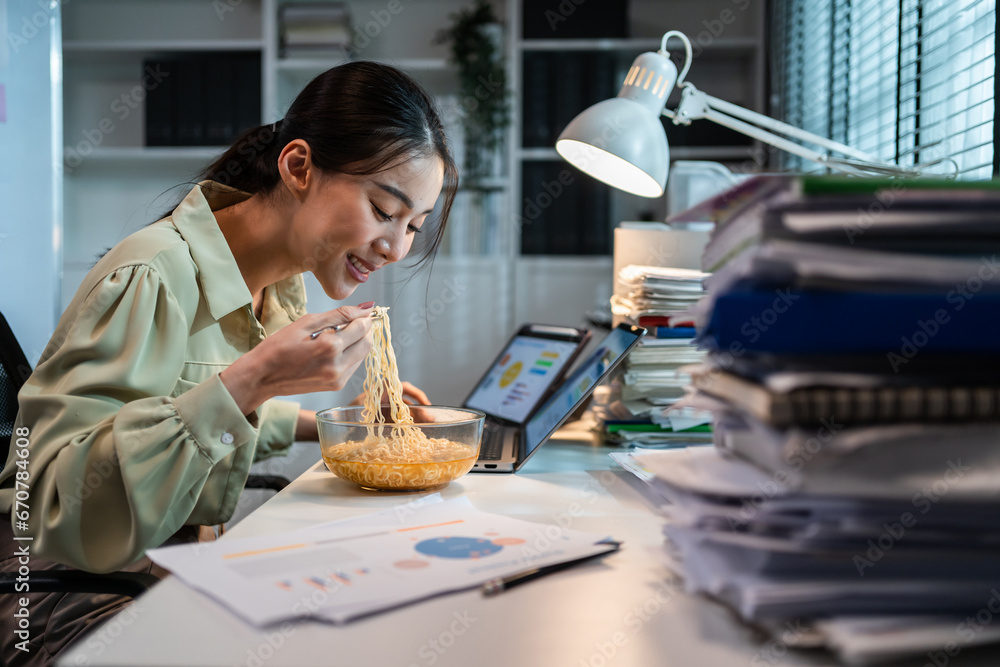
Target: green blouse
132 433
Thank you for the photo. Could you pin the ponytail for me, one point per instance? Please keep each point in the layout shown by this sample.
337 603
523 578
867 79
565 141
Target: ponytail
251 163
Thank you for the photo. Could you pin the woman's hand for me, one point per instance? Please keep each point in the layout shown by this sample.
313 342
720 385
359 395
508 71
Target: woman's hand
411 396
292 362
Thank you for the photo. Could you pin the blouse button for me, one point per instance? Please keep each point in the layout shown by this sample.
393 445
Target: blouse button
227 438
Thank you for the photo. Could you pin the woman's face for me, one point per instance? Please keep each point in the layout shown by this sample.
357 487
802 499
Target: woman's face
349 226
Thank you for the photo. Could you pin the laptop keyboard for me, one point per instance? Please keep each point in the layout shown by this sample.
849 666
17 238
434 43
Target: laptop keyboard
491 448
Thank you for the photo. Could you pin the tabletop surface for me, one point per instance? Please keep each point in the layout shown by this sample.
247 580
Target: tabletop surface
623 610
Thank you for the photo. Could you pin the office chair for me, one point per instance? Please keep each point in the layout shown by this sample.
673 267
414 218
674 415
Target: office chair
14 370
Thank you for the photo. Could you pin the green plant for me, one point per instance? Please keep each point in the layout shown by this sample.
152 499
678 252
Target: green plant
482 75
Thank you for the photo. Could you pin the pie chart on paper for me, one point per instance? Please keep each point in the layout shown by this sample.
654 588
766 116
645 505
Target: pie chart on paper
458 547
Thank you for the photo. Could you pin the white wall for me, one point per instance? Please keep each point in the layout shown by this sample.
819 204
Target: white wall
30 165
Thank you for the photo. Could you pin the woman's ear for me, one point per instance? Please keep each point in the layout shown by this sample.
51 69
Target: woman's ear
296 167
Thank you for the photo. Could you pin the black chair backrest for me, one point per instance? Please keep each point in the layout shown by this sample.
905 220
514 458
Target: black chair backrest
14 370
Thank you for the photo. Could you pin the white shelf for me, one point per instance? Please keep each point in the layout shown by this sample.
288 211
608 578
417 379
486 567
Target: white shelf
147 46
529 154
133 155
320 64
590 44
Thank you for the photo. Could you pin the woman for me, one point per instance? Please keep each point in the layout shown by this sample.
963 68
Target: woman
153 397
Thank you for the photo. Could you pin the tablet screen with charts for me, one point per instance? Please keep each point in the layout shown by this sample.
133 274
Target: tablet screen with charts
525 370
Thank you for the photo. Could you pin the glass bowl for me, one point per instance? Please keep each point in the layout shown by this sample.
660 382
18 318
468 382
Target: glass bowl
441 446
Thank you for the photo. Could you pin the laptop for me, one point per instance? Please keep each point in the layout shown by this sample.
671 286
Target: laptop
509 443
524 373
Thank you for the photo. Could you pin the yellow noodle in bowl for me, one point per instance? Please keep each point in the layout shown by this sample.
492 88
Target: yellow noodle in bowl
441 445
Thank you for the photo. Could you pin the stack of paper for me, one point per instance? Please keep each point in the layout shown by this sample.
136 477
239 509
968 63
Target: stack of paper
658 298
832 552
853 356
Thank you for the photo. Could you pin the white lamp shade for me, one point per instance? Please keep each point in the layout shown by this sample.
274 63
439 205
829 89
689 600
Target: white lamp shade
620 142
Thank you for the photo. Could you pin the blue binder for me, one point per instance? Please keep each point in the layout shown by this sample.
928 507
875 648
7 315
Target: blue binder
789 321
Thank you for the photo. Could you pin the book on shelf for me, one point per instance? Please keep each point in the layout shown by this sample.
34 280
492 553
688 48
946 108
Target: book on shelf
247 86
205 99
220 103
189 102
159 106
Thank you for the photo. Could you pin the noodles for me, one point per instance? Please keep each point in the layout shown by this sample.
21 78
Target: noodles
359 463
397 455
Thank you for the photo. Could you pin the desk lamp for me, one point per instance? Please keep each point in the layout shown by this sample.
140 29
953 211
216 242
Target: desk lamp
621 141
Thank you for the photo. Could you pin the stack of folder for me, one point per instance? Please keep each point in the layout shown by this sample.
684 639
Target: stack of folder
658 298
852 330
317 30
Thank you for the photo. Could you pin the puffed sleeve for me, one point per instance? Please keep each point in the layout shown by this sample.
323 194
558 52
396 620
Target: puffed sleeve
116 463
277 428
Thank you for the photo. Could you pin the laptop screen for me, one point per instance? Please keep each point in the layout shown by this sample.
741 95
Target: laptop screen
520 377
608 353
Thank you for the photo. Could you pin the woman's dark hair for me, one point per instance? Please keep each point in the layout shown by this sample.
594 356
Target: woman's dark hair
358 118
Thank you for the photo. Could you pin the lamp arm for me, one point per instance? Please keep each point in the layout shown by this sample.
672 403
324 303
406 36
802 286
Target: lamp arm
784 128
778 141
697 105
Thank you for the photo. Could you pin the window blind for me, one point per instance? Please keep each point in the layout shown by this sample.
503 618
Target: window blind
910 81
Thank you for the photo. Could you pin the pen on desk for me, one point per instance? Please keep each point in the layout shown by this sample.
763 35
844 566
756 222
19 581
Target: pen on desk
500 584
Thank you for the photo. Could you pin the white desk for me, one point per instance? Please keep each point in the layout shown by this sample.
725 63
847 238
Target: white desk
619 611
